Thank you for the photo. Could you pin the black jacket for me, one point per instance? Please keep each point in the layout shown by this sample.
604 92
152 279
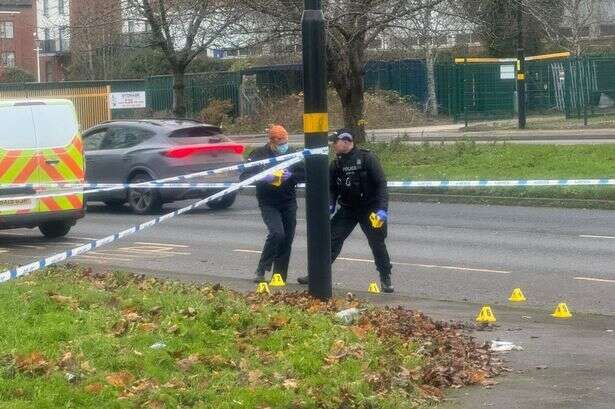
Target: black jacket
267 194
357 181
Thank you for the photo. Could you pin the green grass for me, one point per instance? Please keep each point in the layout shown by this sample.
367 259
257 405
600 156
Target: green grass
471 161
222 351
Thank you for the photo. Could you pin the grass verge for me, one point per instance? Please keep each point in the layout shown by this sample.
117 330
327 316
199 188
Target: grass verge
471 161
72 338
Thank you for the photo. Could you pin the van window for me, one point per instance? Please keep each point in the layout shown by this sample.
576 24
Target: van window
17 128
55 125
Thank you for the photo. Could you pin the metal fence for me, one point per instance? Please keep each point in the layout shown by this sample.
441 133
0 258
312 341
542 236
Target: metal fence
474 89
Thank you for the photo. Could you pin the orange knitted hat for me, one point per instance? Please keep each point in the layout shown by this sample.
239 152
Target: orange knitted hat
277 131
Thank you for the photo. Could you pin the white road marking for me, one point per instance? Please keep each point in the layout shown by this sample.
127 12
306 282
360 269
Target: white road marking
589 236
599 280
104 257
28 246
476 270
360 260
162 244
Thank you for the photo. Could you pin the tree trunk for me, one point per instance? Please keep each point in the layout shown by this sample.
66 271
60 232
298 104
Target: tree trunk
347 79
179 90
432 98
351 94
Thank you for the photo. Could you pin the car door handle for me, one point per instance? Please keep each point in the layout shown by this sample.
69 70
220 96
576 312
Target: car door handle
52 161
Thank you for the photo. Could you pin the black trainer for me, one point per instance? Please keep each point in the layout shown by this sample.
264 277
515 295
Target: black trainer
385 283
259 277
305 280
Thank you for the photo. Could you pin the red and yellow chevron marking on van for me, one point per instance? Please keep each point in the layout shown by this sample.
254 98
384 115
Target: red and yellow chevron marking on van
68 169
55 165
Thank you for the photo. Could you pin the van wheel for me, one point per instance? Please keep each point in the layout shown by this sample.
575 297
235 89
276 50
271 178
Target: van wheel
224 202
53 230
144 201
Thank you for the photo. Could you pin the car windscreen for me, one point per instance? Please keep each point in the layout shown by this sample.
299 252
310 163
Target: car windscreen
209 134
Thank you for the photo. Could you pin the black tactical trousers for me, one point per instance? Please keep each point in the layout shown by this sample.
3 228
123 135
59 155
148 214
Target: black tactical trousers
344 222
281 223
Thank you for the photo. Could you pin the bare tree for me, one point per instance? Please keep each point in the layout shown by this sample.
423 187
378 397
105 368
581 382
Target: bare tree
430 31
575 25
352 25
183 30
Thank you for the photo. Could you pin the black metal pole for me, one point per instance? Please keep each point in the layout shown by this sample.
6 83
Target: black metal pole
521 100
316 127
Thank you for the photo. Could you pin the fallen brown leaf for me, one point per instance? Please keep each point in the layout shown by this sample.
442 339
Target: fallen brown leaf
278 322
120 328
119 379
35 362
64 300
187 363
94 388
147 326
289 384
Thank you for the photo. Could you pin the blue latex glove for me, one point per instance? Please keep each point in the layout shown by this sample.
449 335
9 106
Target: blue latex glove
269 178
382 215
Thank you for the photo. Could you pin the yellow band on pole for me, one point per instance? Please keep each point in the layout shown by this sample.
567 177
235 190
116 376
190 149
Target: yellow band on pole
316 123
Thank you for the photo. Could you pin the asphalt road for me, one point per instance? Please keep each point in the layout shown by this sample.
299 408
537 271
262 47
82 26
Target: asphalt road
440 251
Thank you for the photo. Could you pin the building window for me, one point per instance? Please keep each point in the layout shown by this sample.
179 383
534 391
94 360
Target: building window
607 29
6 29
7 59
46 8
61 8
63 40
131 26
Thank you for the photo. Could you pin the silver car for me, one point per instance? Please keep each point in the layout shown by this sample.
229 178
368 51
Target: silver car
144 150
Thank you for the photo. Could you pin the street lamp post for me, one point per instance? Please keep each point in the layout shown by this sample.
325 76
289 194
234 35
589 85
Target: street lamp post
316 127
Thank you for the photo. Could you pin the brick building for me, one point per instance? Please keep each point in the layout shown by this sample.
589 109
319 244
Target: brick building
17 35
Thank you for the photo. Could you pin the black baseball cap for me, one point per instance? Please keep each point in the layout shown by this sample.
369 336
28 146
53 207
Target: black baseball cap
342 134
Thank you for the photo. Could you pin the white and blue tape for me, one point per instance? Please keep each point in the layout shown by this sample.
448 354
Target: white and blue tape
63 189
183 178
59 257
102 187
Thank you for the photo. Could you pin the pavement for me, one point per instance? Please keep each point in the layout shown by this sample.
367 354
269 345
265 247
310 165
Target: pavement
449 260
451 133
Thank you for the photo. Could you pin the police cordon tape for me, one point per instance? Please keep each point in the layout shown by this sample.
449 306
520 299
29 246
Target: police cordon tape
240 167
59 257
104 187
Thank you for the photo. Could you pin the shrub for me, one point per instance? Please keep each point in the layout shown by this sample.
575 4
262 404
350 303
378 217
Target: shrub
216 112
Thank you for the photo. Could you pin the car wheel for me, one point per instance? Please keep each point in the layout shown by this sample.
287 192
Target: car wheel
224 202
115 204
144 201
53 230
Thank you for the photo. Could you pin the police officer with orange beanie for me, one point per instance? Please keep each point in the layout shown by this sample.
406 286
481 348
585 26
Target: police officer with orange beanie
277 200
358 184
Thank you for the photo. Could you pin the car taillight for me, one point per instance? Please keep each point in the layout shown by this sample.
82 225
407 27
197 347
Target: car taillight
185 151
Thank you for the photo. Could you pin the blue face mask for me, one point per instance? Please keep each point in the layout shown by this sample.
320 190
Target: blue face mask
282 148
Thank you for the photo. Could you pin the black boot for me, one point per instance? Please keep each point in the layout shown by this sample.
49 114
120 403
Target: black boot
305 280
385 283
259 277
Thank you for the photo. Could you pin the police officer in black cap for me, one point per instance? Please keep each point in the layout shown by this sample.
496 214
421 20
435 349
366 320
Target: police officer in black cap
358 184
